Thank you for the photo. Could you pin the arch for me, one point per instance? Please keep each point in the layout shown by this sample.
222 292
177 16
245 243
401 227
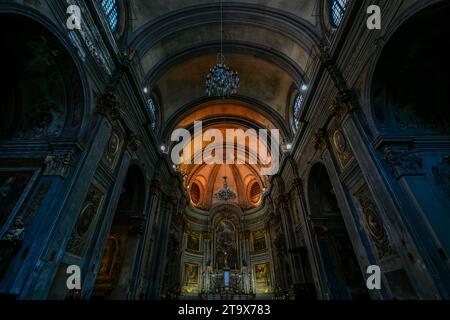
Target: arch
404 86
233 212
286 63
45 96
263 115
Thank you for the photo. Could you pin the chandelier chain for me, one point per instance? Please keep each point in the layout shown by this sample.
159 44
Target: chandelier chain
221 80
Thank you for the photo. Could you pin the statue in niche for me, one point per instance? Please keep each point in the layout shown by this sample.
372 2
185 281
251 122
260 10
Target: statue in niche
207 280
246 282
17 231
226 255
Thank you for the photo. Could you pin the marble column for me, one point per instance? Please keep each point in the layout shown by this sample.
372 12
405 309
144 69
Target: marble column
285 207
141 276
160 249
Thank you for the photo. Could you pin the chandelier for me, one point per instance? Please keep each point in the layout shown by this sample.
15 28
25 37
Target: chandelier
225 193
221 80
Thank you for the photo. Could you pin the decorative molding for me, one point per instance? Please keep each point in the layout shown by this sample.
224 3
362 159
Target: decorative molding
90 209
318 140
373 223
92 41
109 107
113 148
329 64
340 107
404 163
339 143
133 143
441 174
342 104
128 55
58 164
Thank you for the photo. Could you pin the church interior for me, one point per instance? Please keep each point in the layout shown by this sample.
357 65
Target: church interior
354 121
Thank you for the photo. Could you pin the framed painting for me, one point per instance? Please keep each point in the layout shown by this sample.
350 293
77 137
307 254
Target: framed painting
262 277
259 242
193 242
191 273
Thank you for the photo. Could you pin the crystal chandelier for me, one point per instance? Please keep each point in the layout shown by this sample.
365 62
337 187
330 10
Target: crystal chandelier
225 193
221 80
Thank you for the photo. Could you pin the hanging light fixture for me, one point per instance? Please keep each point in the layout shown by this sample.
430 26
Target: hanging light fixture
225 193
221 80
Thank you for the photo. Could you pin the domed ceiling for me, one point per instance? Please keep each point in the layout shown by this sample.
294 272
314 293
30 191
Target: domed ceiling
204 180
271 43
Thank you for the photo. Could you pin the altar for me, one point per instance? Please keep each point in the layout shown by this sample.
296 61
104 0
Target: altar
218 262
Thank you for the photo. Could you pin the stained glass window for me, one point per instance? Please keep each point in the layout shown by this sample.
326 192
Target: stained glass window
112 13
297 108
337 8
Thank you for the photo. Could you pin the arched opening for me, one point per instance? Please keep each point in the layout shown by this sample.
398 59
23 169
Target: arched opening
41 100
226 256
409 77
41 91
337 257
117 264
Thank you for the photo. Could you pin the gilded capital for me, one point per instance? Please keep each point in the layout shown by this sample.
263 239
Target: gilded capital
318 140
133 143
342 104
109 107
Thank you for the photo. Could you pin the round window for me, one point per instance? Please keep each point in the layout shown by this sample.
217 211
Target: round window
195 193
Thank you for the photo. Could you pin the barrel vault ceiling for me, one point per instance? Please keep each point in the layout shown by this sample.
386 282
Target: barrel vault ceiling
271 43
